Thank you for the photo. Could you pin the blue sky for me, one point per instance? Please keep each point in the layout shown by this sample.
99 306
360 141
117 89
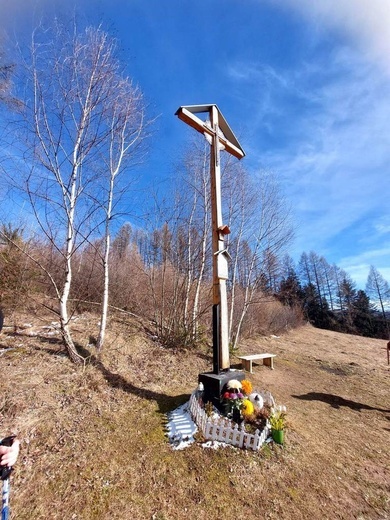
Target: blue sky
304 84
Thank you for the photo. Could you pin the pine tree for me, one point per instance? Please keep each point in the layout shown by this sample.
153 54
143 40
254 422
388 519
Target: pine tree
363 315
315 309
290 290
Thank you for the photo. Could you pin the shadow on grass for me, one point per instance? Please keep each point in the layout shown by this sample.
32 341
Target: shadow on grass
165 402
335 401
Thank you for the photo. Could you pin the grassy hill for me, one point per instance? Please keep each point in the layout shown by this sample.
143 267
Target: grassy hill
94 444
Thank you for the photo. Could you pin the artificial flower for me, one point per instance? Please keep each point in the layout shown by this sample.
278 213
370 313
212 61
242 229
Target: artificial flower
278 419
246 386
234 384
247 408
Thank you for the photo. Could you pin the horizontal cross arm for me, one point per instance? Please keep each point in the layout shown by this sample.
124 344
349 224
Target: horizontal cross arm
199 125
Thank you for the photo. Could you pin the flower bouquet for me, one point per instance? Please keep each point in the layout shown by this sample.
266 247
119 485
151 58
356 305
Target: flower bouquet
277 421
235 400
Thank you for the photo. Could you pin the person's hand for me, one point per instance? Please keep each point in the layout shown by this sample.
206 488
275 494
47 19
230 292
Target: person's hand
9 454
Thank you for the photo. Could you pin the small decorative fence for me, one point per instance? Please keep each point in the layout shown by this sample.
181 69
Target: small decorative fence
222 430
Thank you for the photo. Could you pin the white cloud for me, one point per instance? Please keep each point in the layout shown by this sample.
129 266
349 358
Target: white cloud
340 150
365 22
358 266
333 154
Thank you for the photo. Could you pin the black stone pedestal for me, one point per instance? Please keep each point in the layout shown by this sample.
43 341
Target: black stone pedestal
214 384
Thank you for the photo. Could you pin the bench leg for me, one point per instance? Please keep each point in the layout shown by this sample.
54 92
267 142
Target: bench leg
247 363
269 362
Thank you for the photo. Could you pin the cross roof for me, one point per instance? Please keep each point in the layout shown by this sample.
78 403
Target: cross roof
228 139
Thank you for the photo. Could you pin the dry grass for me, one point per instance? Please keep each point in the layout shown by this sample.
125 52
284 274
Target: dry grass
94 445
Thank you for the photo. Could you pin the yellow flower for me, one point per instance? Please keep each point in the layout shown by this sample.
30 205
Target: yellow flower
247 408
246 386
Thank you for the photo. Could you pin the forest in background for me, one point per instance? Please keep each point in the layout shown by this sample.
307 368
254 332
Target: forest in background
154 277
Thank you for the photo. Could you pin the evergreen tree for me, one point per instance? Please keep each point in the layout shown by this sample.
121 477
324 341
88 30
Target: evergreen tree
315 309
348 295
363 315
290 290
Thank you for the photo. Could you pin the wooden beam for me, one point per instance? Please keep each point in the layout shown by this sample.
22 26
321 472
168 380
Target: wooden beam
199 125
221 134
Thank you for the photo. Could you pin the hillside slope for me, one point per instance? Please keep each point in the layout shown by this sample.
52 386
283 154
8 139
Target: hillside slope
94 445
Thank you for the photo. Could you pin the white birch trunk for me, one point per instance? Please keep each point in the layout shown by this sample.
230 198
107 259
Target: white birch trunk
122 138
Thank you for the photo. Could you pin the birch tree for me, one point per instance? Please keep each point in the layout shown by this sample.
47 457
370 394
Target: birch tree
176 256
198 179
241 205
126 130
74 96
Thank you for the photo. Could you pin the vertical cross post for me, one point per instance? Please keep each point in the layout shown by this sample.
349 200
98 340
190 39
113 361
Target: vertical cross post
221 137
220 309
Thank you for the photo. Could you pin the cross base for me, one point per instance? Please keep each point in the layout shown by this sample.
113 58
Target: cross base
214 384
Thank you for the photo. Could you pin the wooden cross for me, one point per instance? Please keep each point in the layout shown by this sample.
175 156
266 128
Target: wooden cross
222 137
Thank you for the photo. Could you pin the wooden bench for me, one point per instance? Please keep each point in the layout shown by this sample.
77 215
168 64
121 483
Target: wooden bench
268 360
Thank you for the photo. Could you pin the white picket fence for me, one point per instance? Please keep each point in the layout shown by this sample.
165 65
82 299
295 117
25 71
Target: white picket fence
222 430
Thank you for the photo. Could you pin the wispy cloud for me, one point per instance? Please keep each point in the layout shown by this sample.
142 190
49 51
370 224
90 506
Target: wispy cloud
358 267
382 226
330 114
336 150
364 22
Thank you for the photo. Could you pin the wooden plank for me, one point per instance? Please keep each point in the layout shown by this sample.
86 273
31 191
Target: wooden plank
257 356
201 127
223 125
268 360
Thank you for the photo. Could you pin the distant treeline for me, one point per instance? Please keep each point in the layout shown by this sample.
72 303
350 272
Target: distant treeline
154 278
330 300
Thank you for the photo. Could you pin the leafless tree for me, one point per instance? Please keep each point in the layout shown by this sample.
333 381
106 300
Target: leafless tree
315 270
16 273
378 289
5 75
339 275
329 285
261 228
78 117
197 178
175 250
126 122
7 69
